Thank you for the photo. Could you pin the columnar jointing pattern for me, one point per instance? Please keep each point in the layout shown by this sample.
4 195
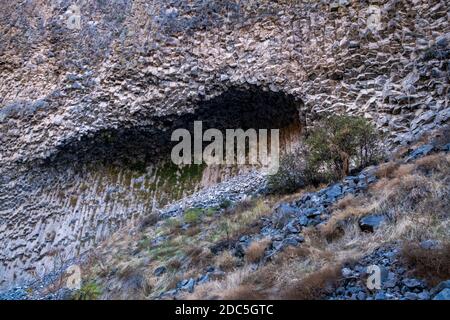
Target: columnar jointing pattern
94 185
137 69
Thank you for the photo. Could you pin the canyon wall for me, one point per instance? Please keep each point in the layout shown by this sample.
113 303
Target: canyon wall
77 101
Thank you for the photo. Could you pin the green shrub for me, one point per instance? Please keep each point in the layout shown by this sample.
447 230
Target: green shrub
293 173
225 203
211 211
172 224
192 215
88 291
338 143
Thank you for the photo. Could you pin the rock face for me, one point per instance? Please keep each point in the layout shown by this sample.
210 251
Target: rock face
132 70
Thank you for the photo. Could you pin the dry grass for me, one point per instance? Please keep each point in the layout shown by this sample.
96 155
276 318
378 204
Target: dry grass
404 170
226 261
386 170
432 265
244 292
313 286
414 197
435 162
255 251
174 264
219 289
405 195
291 253
199 257
192 231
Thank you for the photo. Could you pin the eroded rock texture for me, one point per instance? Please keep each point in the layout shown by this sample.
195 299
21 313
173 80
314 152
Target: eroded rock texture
135 70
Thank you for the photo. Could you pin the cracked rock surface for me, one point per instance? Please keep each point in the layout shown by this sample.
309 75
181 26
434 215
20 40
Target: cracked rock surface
145 64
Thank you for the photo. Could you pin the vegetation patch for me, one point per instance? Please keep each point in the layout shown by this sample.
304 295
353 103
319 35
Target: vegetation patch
88 291
193 215
430 264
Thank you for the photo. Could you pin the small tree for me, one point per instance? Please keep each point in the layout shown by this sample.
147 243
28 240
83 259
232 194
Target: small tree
337 142
333 147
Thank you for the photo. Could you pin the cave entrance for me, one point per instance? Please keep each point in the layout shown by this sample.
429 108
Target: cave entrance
99 183
142 145
138 158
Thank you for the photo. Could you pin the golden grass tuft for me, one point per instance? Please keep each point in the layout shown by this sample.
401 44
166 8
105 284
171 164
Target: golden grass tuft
313 286
255 251
226 261
415 198
386 170
430 264
432 163
244 292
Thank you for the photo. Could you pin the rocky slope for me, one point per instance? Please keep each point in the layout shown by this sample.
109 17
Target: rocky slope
197 258
136 69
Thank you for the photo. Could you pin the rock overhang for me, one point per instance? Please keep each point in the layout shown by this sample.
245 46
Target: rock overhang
62 87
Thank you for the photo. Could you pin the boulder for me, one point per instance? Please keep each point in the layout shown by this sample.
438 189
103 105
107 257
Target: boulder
283 213
303 221
419 152
441 286
371 223
311 212
411 296
413 283
443 295
187 285
380 296
424 295
334 192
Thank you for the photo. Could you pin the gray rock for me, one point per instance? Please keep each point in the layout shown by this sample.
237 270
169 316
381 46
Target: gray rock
429 244
202 279
441 286
443 295
188 285
283 213
442 41
380 296
390 283
361 296
290 228
446 147
411 296
420 151
293 241
347 272
334 192
245 238
412 283
311 212
424 295
371 223
303 221
340 291
159 271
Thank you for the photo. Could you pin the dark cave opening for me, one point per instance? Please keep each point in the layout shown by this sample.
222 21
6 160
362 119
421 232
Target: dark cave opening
135 147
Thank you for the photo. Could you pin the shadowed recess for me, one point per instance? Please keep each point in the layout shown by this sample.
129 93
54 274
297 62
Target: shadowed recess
235 108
